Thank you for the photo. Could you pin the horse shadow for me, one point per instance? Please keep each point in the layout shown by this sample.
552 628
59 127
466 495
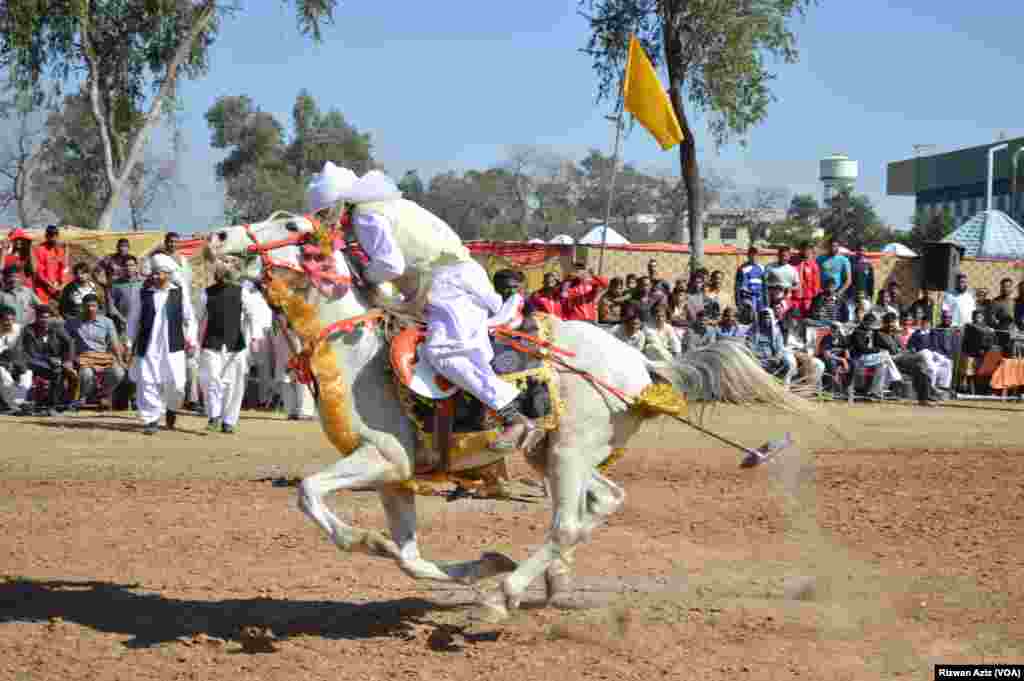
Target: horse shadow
152 619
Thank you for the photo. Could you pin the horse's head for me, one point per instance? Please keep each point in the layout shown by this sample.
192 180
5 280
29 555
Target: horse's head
245 241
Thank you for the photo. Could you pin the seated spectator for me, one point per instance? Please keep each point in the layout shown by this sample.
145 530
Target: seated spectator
802 342
697 298
866 354
676 307
884 305
548 298
922 307
700 334
858 307
645 298
630 283
98 349
910 363
835 351
765 339
73 294
777 295
929 345
979 337
656 281
664 334
15 377
20 255
609 308
631 330
1001 305
714 294
19 297
727 326
827 306
579 294
50 353
1018 307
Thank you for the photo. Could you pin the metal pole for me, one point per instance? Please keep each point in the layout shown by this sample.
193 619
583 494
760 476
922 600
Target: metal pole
611 186
991 166
1013 183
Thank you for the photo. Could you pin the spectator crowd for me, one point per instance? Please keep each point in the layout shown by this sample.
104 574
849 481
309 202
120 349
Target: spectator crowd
69 335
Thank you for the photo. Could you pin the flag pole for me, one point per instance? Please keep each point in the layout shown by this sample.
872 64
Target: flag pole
615 163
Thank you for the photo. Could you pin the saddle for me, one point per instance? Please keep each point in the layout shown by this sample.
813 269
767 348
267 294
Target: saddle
453 427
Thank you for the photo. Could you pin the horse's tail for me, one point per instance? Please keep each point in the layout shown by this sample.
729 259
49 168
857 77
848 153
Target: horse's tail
727 371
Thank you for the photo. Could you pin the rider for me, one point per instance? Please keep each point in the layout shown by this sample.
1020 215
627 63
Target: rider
428 263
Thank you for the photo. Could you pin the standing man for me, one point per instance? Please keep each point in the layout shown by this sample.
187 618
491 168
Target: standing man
125 295
835 269
863 275
749 287
960 304
50 264
296 397
579 295
20 254
784 275
223 362
809 276
163 326
549 297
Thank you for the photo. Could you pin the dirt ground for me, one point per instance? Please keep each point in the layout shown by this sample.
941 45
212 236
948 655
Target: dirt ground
871 554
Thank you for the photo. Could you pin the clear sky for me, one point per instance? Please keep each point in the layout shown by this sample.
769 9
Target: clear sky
449 85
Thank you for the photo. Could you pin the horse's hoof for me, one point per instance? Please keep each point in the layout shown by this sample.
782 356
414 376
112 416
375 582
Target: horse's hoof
557 585
491 609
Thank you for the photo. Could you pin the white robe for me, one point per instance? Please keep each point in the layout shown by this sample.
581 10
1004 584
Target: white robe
159 374
297 397
13 393
222 373
460 301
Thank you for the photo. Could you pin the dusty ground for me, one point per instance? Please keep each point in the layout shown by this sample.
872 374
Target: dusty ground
125 557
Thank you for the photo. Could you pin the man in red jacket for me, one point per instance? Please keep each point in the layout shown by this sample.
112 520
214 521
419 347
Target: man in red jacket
51 266
580 294
549 298
810 279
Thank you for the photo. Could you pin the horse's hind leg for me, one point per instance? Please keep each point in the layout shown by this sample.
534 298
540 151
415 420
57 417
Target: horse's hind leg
603 498
365 467
570 475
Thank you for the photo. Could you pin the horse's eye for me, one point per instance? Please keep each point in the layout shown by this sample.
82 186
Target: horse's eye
292 226
223 236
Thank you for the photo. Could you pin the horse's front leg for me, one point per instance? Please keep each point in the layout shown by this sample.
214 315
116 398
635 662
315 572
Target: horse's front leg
400 507
363 468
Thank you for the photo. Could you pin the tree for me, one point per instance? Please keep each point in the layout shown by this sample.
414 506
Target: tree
853 221
130 54
154 179
265 170
715 51
804 208
934 227
412 186
21 156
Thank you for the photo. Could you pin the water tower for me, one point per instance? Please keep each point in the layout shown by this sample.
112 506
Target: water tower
838 172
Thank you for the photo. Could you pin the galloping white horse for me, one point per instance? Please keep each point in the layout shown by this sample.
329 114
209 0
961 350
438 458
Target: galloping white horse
361 415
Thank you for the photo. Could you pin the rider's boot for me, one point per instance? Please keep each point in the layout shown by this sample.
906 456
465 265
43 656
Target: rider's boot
515 428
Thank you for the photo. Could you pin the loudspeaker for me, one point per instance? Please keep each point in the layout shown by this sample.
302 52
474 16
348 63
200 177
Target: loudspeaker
941 265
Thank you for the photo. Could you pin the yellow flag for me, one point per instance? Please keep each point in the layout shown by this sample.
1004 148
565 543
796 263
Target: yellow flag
644 97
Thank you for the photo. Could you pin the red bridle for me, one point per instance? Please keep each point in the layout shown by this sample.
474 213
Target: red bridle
321 269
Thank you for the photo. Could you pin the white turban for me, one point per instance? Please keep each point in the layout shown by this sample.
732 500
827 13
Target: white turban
160 262
328 187
373 186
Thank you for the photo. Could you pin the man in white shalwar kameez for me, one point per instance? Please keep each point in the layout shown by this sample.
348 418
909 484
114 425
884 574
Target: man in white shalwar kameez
427 261
226 311
163 326
295 396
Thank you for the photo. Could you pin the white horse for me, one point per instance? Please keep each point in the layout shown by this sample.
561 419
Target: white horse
361 415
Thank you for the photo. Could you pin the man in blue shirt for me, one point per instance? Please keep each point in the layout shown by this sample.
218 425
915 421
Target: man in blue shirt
835 269
749 287
99 350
